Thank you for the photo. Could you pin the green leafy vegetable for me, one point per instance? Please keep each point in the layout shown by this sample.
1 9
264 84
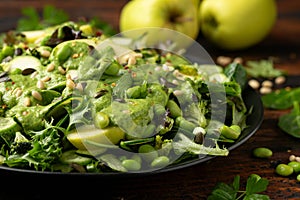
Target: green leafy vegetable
262 69
255 185
290 122
286 99
33 21
281 99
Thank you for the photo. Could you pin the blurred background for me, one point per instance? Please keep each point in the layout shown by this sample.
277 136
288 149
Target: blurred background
109 11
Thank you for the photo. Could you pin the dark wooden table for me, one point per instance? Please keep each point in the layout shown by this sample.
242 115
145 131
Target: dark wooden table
197 181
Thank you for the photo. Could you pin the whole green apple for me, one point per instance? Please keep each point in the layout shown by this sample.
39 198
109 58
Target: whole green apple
237 24
177 15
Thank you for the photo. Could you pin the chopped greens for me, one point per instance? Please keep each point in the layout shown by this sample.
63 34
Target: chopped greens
69 104
255 185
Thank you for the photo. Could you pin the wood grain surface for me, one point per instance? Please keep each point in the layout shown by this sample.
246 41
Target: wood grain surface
197 181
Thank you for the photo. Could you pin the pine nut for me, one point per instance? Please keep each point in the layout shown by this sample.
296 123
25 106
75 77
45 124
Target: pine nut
45 53
279 80
27 101
79 87
223 60
50 67
34 74
267 83
46 79
70 84
40 84
265 90
238 60
254 84
178 92
19 93
297 159
37 95
61 70
292 157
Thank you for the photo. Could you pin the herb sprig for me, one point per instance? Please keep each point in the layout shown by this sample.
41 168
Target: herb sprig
255 185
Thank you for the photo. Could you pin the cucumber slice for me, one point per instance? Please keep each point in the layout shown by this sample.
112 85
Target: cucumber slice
22 62
8 128
69 157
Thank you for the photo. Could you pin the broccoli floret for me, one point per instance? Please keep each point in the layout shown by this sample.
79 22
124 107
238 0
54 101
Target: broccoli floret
20 145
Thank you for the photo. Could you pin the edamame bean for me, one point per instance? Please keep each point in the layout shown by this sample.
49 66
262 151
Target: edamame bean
134 92
7 51
298 177
101 120
185 124
284 170
262 152
148 152
113 69
131 165
63 53
175 110
160 161
137 158
295 165
229 132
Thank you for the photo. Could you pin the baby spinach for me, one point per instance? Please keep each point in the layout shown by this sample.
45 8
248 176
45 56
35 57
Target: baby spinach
290 122
286 99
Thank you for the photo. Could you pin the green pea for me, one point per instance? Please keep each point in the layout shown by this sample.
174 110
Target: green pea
284 170
101 120
131 165
295 165
175 110
160 161
63 53
148 152
298 177
262 152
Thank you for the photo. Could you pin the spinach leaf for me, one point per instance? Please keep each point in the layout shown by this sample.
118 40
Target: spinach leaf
290 122
281 99
236 72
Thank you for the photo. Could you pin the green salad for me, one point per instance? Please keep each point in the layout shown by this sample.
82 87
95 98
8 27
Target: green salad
70 104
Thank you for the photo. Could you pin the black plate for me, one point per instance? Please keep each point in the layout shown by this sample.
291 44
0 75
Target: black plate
254 120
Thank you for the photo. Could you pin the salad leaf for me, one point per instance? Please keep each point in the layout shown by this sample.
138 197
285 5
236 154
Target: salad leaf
281 99
290 122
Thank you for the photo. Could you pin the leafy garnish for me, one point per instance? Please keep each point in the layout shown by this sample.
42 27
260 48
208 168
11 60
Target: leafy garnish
262 69
255 185
33 21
